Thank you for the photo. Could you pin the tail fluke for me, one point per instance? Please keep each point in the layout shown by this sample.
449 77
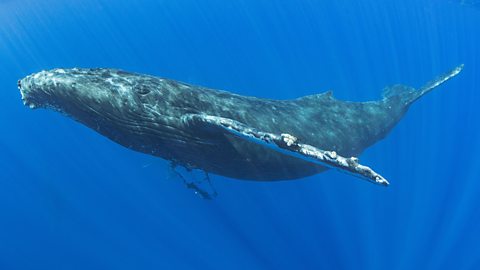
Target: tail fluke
437 82
406 95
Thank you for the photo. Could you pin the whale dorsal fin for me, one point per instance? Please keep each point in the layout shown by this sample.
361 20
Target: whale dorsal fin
316 97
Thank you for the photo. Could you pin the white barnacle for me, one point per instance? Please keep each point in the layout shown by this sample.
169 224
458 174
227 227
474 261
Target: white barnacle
354 160
332 154
288 139
343 163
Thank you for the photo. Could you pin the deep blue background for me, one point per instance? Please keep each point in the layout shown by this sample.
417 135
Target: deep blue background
71 199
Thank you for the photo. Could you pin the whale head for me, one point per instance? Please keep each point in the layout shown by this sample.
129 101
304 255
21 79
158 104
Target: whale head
112 102
73 90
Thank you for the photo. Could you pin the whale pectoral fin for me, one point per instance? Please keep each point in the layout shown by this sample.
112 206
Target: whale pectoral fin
201 123
286 144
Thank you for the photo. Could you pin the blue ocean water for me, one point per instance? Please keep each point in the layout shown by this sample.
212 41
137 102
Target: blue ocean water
72 199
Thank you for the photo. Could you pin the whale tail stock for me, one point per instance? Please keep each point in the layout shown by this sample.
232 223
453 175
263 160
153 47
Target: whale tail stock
408 95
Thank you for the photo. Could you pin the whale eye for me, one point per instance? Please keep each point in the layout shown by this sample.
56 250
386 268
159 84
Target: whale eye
142 89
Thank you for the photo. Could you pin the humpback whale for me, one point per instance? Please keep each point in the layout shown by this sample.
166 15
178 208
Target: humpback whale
220 132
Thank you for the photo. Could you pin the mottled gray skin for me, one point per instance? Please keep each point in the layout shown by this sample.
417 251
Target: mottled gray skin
146 114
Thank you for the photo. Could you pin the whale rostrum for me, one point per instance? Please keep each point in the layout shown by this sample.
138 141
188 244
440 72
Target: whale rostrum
224 133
